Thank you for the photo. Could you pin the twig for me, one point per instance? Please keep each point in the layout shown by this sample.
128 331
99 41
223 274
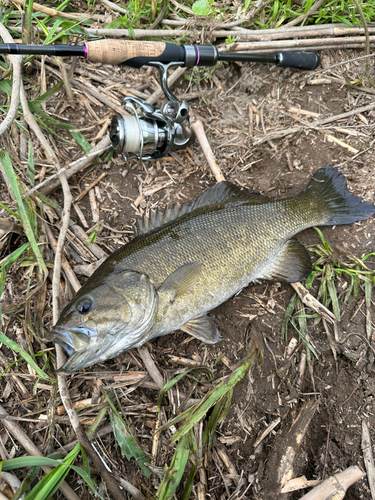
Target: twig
368 457
160 17
301 369
31 449
83 237
88 269
198 129
132 490
52 12
112 484
300 19
47 186
87 88
59 247
80 214
335 486
228 464
278 134
96 181
348 114
267 431
125 33
314 48
182 7
64 263
365 27
65 77
151 367
317 31
13 482
256 7
16 62
288 44
114 6
76 166
300 483
30 120
94 206
313 303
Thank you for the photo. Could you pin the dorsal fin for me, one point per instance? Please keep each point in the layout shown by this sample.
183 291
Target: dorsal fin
218 195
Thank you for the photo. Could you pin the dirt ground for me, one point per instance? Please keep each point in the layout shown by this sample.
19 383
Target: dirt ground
239 105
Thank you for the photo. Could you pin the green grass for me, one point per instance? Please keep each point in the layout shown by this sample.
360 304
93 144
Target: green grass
339 275
210 412
335 11
50 483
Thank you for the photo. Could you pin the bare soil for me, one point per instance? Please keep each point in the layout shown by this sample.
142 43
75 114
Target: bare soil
237 106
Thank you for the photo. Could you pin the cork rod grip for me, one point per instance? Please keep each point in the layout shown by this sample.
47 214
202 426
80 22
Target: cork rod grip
121 51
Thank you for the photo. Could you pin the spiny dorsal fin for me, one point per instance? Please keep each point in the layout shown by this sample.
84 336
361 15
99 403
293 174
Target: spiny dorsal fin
217 195
158 218
292 265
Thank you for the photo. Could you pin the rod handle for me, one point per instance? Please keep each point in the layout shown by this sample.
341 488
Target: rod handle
299 60
133 53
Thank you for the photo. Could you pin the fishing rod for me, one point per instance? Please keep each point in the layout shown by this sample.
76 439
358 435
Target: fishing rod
149 133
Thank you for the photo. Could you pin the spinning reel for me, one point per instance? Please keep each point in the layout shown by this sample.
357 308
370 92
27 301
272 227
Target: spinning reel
149 133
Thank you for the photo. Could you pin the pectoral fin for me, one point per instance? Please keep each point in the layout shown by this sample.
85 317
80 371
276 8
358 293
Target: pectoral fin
293 264
181 280
203 328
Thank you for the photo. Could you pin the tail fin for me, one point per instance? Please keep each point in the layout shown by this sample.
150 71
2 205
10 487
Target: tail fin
328 187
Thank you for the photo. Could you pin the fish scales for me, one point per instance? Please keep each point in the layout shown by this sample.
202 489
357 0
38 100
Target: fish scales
169 276
222 240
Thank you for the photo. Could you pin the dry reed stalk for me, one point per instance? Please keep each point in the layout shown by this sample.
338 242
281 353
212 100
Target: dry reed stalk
277 45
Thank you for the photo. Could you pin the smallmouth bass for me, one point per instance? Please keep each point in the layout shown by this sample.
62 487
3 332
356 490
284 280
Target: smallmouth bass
187 260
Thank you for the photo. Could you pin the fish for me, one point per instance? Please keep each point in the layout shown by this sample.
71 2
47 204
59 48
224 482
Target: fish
187 260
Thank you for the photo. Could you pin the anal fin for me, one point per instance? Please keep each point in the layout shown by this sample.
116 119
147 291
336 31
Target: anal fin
292 265
203 328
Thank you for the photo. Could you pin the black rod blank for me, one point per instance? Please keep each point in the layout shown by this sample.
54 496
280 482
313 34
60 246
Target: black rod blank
44 50
299 60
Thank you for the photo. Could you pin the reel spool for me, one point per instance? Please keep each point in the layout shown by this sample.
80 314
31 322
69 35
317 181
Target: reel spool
149 133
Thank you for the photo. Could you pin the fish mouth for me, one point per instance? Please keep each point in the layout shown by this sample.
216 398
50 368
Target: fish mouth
73 340
76 343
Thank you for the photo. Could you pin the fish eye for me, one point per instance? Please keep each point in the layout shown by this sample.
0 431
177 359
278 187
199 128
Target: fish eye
85 306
